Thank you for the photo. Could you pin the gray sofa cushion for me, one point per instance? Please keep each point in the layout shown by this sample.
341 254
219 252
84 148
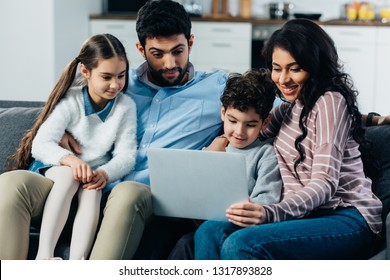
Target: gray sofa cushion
20 103
14 122
377 164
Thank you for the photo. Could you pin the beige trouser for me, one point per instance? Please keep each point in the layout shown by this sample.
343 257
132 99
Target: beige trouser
22 199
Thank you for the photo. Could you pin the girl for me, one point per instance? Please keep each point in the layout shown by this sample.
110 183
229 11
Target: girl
328 210
103 121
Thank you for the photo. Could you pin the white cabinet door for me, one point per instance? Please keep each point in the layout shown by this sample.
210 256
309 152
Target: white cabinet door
382 77
221 45
356 47
125 31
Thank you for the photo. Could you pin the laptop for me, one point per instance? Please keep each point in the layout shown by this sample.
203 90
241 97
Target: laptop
196 184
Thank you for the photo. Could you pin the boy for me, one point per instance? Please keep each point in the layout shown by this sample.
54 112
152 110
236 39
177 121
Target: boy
246 102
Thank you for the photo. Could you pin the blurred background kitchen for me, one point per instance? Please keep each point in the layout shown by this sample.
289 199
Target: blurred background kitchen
39 37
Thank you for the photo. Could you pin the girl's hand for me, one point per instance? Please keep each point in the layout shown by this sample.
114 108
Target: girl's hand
246 214
219 144
98 182
81 171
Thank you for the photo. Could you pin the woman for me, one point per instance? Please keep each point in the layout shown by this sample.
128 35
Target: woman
328 210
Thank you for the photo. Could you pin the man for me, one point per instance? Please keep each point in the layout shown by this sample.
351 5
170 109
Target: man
177 107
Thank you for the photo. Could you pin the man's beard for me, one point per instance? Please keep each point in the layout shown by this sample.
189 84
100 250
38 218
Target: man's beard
157 75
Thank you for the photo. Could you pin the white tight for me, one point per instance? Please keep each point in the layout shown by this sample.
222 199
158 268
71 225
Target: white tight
56 213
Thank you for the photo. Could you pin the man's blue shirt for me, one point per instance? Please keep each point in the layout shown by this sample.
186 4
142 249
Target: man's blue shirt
183 116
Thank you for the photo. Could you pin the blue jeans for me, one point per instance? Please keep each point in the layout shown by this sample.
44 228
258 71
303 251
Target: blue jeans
324 234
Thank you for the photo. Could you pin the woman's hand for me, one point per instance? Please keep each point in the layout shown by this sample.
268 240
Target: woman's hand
81 170
69 143
219 144
383 120
98 182
246 214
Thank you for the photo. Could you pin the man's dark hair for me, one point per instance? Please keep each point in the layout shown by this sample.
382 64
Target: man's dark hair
253 89
162 18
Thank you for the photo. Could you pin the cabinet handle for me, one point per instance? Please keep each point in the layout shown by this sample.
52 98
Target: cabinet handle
350 49
350 33
221 29
221 45
115 26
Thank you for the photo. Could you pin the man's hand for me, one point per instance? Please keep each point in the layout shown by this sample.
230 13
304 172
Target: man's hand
219 144
69 143
246 214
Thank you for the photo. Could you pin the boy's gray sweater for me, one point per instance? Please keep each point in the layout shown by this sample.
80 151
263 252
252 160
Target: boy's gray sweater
264 180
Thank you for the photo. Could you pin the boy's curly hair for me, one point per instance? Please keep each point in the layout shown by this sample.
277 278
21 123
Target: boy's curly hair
253 89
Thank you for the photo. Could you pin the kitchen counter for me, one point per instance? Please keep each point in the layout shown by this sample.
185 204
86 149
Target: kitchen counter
254 21
355 23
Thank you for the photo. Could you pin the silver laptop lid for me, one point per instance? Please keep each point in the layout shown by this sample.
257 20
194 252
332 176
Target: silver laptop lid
196 184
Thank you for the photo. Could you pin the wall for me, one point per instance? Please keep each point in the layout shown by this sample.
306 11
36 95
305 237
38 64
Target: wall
38 38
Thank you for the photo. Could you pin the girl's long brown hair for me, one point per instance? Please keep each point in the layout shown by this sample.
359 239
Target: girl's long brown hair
96 48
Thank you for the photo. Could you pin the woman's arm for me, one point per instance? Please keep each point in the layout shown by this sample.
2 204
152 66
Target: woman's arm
374 119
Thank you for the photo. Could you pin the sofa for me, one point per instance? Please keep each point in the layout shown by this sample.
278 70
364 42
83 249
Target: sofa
18 116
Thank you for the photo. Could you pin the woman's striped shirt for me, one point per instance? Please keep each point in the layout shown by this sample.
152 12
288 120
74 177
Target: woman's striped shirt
331 175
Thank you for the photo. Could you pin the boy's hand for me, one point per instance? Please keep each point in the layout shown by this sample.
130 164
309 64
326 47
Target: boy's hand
81 171
98 182
246 214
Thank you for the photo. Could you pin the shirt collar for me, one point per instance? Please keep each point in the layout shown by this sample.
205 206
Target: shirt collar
89 109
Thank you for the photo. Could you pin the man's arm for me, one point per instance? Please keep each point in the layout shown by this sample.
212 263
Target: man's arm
68 142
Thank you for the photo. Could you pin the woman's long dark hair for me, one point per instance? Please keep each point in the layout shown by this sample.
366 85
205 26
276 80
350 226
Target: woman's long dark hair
315 52
96 48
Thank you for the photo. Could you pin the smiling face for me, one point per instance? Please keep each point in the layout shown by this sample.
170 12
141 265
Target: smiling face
168 59
241 128
106 80
288 76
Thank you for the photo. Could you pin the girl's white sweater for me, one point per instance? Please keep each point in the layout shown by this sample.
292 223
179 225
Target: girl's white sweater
110 145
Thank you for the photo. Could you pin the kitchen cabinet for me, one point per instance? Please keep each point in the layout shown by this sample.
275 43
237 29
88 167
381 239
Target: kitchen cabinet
125 31
218 45
363 50
382 98
356 47
222 45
